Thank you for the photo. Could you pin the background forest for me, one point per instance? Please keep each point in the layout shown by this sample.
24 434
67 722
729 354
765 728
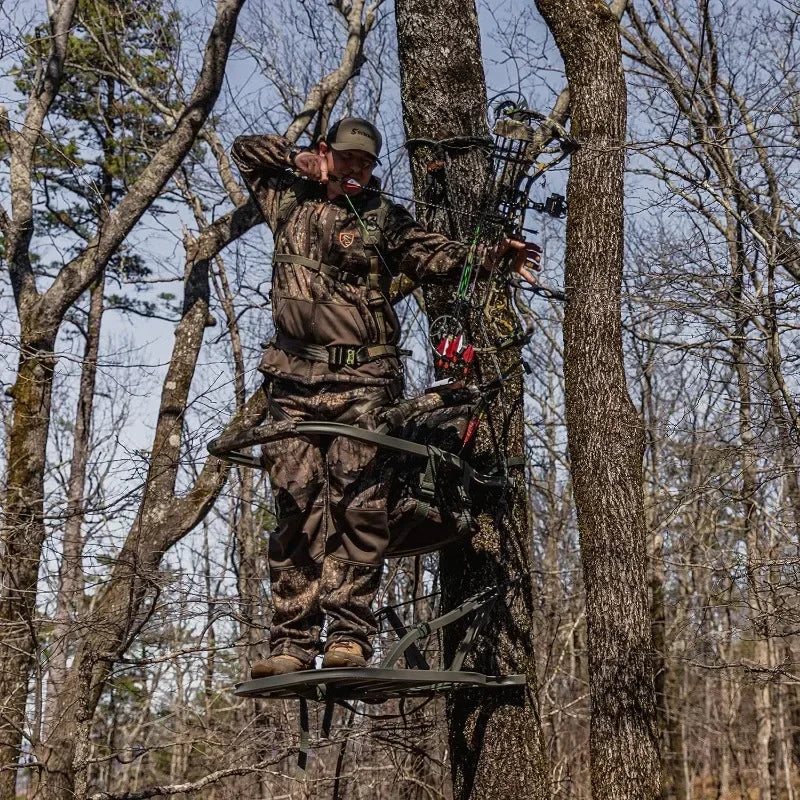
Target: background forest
134 297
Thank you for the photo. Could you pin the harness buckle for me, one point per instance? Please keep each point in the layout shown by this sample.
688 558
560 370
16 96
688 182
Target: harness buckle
343 355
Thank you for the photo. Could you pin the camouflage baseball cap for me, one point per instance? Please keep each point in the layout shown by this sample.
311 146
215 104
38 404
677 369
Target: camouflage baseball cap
354 133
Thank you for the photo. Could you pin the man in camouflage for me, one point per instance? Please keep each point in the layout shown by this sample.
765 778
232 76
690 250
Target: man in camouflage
334 358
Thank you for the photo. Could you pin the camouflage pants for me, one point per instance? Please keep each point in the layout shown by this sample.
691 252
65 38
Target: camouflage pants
326 554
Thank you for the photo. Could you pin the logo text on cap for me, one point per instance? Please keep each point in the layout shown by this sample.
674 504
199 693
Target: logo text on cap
359 132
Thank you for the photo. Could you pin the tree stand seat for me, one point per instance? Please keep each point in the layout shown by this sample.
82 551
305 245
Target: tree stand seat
432 488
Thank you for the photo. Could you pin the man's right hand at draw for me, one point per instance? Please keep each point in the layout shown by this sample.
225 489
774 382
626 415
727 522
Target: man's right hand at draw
312 165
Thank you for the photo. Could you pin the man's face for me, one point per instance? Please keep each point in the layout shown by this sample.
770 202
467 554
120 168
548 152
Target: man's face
344 164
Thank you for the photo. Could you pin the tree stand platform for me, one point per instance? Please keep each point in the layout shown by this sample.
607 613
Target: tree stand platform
385 682
371 684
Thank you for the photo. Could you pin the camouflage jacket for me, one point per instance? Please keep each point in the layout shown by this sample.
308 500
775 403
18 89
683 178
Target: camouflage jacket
313 305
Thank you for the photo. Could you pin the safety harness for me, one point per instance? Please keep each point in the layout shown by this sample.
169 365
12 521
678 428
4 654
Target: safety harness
379 282
337 355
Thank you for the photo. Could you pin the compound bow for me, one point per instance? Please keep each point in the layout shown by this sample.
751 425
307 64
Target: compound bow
479 323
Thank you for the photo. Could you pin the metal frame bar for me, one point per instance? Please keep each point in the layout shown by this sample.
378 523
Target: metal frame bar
478 601
228 447
376 684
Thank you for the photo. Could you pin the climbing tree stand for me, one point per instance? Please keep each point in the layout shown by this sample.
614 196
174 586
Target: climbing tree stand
514 151
415 678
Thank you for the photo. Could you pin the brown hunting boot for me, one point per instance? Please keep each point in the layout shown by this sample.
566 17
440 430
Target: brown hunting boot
276 665
344 654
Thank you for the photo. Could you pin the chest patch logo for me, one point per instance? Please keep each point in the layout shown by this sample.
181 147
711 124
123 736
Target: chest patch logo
346 238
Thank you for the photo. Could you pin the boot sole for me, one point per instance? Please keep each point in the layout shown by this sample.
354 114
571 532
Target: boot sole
342 662
272 672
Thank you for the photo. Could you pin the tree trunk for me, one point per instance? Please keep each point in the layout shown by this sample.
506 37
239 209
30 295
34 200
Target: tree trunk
23 530
245 527
70 590
784 743
495 738
119 610
673 784
604 431
23 536
71 578
757 595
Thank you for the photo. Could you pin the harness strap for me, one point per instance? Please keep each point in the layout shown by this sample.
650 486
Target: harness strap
327 718
414 659
380 282
305 740
474 603
427 482
338 355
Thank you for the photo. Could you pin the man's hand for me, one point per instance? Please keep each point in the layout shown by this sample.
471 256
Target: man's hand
525 257
312 165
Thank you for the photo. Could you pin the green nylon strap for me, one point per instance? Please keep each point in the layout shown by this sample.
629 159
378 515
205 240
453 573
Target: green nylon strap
305 740
380 323
466 272
371 281
317 352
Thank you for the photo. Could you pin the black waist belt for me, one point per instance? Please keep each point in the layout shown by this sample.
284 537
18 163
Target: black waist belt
381 282
338 355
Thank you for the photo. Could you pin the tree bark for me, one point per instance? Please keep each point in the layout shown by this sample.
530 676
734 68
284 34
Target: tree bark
71 578
495 738
604 431
31 395
673 787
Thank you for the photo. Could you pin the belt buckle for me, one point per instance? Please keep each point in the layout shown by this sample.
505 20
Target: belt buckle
342 355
